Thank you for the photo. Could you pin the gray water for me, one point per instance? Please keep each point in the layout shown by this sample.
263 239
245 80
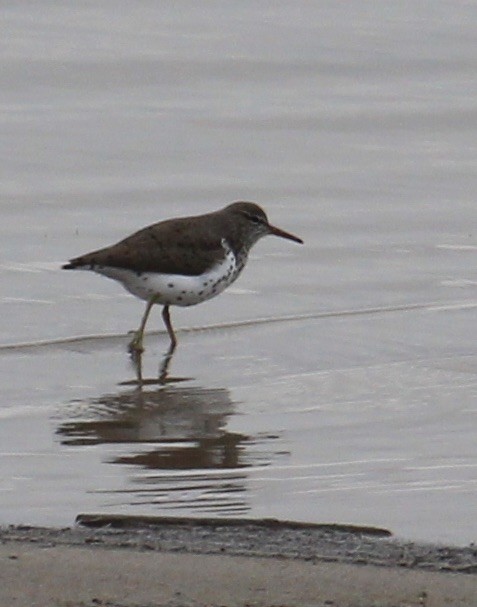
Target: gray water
350 395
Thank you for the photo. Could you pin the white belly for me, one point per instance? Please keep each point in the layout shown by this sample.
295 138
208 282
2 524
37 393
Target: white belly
176 289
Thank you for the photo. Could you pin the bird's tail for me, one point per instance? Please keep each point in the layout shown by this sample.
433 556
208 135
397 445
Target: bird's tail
74 264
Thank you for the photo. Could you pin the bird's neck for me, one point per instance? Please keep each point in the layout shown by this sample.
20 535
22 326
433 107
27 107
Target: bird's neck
240 252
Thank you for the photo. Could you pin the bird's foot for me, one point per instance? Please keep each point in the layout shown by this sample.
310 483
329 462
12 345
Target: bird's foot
135 345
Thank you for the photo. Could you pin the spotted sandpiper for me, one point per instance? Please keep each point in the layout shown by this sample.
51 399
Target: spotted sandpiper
182 261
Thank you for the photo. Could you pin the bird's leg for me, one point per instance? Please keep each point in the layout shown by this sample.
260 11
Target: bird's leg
136 358
167 321
135 346
164 366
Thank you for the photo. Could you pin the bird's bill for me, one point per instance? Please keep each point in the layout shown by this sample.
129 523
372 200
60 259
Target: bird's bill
278 232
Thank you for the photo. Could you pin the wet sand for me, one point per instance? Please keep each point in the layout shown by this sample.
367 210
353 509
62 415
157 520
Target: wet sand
225 564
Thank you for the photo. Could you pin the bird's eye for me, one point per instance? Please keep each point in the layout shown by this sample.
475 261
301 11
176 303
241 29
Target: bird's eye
254 218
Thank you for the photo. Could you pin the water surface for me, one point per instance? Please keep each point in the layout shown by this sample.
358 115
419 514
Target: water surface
354 126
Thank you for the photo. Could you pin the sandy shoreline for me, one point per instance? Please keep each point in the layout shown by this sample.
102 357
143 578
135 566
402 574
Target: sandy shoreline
260 564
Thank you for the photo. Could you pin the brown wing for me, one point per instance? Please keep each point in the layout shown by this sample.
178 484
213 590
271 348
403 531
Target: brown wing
171 247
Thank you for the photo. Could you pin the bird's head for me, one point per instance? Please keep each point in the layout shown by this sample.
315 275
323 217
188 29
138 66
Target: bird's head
252 222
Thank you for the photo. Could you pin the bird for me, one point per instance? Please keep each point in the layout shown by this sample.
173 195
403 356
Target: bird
182 261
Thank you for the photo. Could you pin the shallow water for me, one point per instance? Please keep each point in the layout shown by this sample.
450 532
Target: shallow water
355 128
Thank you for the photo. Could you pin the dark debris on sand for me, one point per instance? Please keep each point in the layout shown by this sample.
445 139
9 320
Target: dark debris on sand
314 543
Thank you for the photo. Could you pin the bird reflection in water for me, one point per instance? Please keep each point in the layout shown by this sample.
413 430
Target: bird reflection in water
164 427
163 374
